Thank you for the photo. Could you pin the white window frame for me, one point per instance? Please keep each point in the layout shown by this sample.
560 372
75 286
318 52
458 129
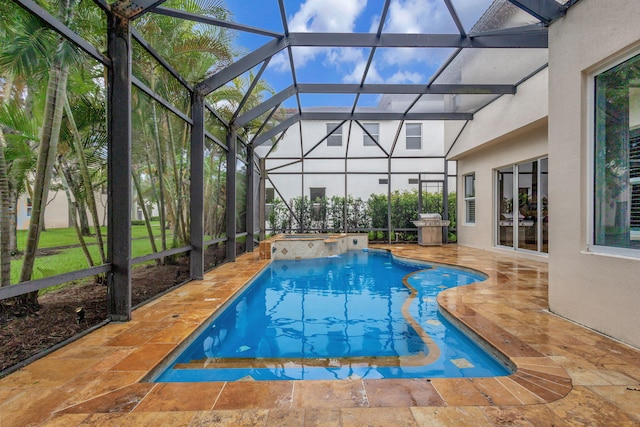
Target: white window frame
413 137
591 167
366 140
335 135
469 199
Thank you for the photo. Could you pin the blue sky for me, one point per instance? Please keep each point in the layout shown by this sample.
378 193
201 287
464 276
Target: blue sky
346 65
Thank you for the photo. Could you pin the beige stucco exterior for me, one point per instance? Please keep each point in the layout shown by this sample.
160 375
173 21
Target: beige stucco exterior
598 290
550 116
57 211
526 146
511 130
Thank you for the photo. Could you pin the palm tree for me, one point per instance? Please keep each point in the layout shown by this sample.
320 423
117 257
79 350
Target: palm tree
195 52
5 224
22 44
60 62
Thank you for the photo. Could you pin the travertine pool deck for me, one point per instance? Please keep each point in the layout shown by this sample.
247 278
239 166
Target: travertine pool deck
567 375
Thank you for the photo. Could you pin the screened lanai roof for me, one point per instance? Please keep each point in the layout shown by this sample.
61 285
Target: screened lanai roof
292 61
335 60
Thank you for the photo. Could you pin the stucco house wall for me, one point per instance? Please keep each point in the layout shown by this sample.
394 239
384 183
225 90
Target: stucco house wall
323 159
598 290
513 129
57 211
522 147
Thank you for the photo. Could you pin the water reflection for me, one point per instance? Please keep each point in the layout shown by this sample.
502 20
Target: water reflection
336 318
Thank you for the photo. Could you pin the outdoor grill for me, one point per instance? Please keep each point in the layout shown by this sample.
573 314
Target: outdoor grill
430 229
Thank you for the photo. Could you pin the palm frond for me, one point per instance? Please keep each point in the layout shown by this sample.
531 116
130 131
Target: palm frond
19 123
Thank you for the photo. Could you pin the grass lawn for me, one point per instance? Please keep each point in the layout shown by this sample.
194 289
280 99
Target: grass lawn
57 237
72 259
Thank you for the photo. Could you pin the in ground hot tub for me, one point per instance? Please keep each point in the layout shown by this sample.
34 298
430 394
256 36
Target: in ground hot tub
430 229
302 246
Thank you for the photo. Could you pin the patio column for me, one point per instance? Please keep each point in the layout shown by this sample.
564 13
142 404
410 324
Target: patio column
119 168
196 186
389 199
232 140
262 196
445 202
250 217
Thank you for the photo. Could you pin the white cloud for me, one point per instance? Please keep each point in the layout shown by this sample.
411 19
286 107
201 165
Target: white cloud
409 55
405 16
280 61
373 76
345 55
406 77
419 16
304 54
336 16
415 17
358 70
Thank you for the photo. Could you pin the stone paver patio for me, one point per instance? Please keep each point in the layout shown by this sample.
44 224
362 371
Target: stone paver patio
566 374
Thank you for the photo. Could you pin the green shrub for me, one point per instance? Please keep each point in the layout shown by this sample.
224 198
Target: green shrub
328 214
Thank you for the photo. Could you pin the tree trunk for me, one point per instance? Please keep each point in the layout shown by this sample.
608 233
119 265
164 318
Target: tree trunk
179 234
83 219
160 170
86 179
157 200
217 201
147 219
13 221
50 133
76 190
73 207
5 219
49 136
7 88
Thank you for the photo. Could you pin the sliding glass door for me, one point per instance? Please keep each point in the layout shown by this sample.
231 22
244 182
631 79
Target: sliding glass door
505 207
522 206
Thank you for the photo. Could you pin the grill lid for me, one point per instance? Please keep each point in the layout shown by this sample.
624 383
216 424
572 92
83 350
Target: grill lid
429 216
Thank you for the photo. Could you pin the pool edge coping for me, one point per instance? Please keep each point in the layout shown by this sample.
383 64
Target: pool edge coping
531 368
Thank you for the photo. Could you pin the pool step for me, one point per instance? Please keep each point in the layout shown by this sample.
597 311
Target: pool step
419 359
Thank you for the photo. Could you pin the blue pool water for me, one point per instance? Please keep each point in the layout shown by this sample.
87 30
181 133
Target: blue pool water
334 318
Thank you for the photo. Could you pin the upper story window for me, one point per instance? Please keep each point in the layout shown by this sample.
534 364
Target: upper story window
470 198
374 131
335 138
616 198
414 136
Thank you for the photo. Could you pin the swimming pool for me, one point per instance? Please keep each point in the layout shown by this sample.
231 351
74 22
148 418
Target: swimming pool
362 314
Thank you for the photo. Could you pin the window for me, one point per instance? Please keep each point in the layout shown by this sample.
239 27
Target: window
335 138
470 198
316 193
29 206
522 206
414 136
616 198
269 195
374 130
383 181
413 181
